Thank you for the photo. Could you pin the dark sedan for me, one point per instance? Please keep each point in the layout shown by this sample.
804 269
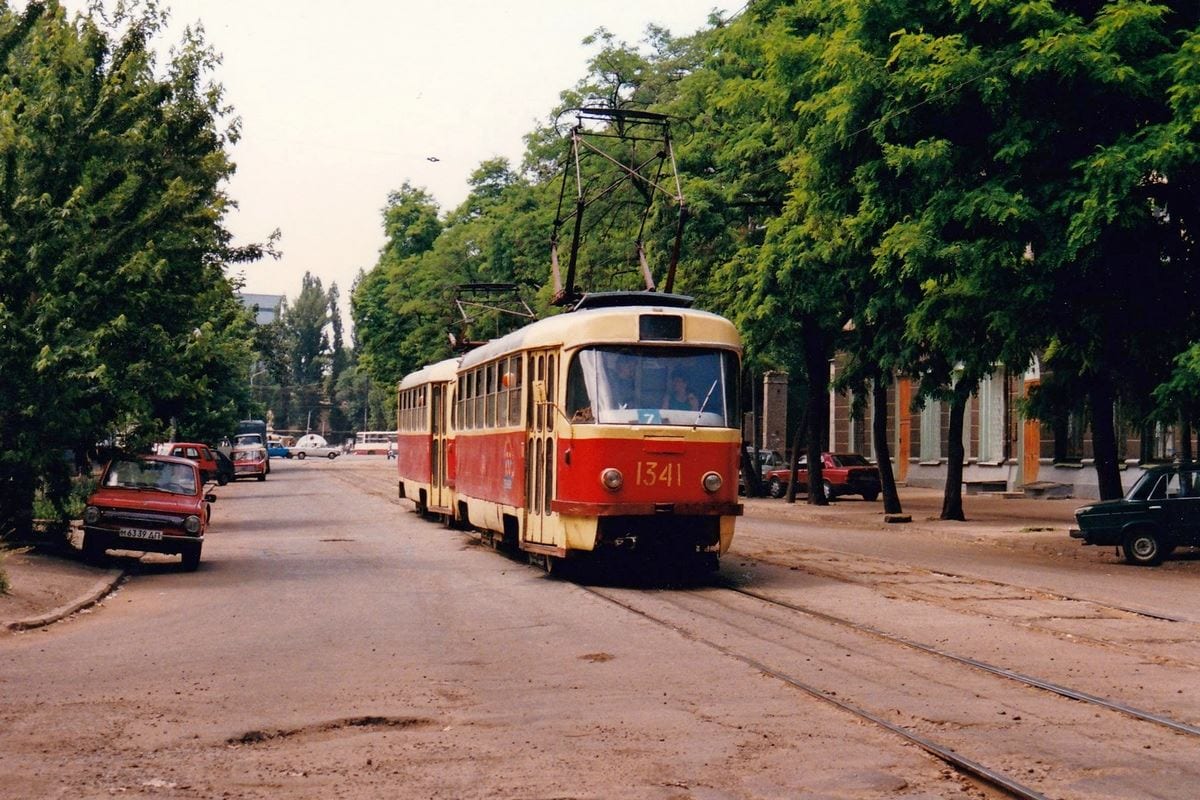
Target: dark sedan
1160 512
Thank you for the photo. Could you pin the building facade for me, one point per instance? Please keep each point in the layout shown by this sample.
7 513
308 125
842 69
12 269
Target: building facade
1004 450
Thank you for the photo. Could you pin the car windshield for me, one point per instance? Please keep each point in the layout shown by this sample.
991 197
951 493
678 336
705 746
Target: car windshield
688 386
162 476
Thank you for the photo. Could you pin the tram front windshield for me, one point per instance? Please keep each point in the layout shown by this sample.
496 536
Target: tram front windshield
688 386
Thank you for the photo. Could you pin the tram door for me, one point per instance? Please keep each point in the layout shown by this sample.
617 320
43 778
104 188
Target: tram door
440 495
539 449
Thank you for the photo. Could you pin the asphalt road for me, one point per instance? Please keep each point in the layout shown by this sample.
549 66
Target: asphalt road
333 644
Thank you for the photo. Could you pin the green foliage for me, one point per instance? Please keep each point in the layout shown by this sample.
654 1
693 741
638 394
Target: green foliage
934 188
115 313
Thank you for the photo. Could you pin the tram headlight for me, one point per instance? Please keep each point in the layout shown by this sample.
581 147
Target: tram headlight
91 515
612 479
712 482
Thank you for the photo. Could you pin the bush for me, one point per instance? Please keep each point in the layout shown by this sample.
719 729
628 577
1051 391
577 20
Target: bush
73 504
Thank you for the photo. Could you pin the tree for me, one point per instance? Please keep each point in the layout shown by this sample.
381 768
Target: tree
116 313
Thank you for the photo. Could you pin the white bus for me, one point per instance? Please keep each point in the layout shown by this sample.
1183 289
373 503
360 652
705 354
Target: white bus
374 443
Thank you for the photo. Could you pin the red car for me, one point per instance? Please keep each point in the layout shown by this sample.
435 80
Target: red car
202 455
249 461
842 473
153 504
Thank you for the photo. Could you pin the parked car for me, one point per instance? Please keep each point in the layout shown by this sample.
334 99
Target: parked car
841 474
249 461
312 445
202 455
767 460
253 440
316 451
153 504
1160 512
278 450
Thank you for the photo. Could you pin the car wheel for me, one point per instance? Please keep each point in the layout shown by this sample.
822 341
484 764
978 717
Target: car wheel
191 559
828 487
332 456
870 497
300 456
776 488
222 480
1143 547
262 477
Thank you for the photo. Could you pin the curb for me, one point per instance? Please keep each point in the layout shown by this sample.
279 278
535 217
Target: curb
101 589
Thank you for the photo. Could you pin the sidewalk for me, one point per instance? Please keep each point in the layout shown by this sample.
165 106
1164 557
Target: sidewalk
991 512
46 585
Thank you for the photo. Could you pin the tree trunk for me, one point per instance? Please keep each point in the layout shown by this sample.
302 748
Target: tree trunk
1061 438
17 520
751 474
1185 440
794 462
952 507
816 362
1104 442
883 458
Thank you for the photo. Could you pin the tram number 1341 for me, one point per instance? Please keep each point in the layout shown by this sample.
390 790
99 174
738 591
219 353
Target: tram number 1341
656 473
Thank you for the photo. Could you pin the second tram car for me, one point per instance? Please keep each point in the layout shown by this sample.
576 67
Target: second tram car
612 427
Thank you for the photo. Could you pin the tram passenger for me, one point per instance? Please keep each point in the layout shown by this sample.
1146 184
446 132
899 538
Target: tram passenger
680 396
624 384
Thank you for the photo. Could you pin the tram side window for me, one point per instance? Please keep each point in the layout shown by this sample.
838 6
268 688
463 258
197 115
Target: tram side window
515 389
502 392
472 395
550 392
479 398
490 401
458 405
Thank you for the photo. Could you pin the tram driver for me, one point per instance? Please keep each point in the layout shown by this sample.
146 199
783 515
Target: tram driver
623 383
680 396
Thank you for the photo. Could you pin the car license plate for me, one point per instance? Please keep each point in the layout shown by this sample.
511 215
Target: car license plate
140 533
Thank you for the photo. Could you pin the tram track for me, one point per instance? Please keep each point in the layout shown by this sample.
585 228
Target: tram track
1028 680
918 592
707 620
976 580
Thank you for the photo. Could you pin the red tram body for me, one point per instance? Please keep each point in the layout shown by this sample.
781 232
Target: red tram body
612 427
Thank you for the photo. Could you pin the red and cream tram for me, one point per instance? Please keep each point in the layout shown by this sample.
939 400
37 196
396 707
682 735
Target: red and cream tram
611 427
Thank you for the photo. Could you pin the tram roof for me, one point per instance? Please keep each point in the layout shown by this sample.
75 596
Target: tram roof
608 325
433 373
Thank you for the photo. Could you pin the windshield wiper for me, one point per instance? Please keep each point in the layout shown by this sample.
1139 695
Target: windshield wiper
700 413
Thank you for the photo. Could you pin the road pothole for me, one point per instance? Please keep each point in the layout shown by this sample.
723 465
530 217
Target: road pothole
268 735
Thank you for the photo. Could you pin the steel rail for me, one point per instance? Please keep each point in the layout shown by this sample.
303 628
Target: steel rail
1028 680
969 766
1141 612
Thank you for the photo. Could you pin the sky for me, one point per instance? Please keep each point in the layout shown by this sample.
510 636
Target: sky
341 104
